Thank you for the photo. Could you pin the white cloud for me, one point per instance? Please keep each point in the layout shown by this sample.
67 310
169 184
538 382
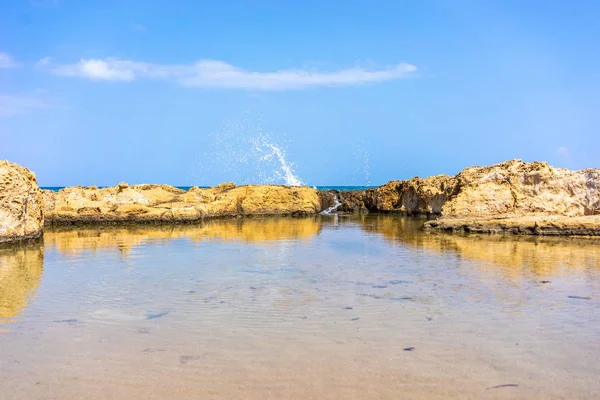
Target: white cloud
21 104
6 61
43 62
139 27
219 74
111 70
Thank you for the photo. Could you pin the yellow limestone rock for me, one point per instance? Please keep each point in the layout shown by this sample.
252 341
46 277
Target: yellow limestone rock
523 198
521 188
163 203
21 204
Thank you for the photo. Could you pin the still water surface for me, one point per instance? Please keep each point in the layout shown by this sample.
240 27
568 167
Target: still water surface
323 308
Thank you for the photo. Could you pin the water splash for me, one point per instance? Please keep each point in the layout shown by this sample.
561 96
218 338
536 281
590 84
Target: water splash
362 156
269 152
242 151
334 207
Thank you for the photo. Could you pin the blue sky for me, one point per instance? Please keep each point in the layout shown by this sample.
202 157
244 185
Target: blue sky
355 92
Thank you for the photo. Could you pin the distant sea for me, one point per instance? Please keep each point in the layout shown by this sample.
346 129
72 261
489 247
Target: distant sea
340 188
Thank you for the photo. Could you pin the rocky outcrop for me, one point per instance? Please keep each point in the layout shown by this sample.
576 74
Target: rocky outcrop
163 203
21 204
417 196
521 188
542 225
511 188
523 198
514 196
343 201
511 197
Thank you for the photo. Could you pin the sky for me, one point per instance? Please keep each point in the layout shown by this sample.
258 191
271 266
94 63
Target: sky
350 92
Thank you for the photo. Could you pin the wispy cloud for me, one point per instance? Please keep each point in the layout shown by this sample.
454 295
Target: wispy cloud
43 62
219 74
11 104
7 61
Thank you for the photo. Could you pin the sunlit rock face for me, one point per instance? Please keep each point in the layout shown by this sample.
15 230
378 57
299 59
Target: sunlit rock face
511 188
21 204
163 203
20 275
511 197
523 198
521 188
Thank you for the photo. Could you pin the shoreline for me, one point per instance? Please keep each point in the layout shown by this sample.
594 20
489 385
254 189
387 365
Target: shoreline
513 197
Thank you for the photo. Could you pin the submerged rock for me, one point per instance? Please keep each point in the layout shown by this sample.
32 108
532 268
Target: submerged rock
21 204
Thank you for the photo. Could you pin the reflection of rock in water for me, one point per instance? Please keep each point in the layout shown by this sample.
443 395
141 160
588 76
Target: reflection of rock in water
71 240
20 274
519 255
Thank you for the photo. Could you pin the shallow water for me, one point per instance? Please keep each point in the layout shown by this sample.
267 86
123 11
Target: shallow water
325 308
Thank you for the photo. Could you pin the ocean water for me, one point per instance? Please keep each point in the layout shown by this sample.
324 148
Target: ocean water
340 188
325 307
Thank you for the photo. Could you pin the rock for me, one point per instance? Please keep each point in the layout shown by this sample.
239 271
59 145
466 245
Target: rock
521 188
353 201
21 204
226 185
554 225
327 198
523 198
417 196
163 203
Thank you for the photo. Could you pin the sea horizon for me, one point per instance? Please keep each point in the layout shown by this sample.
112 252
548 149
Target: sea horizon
341 188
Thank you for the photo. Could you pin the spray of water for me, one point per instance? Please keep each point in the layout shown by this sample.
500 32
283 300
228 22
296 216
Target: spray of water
272 152
362 156
336 204
242 151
